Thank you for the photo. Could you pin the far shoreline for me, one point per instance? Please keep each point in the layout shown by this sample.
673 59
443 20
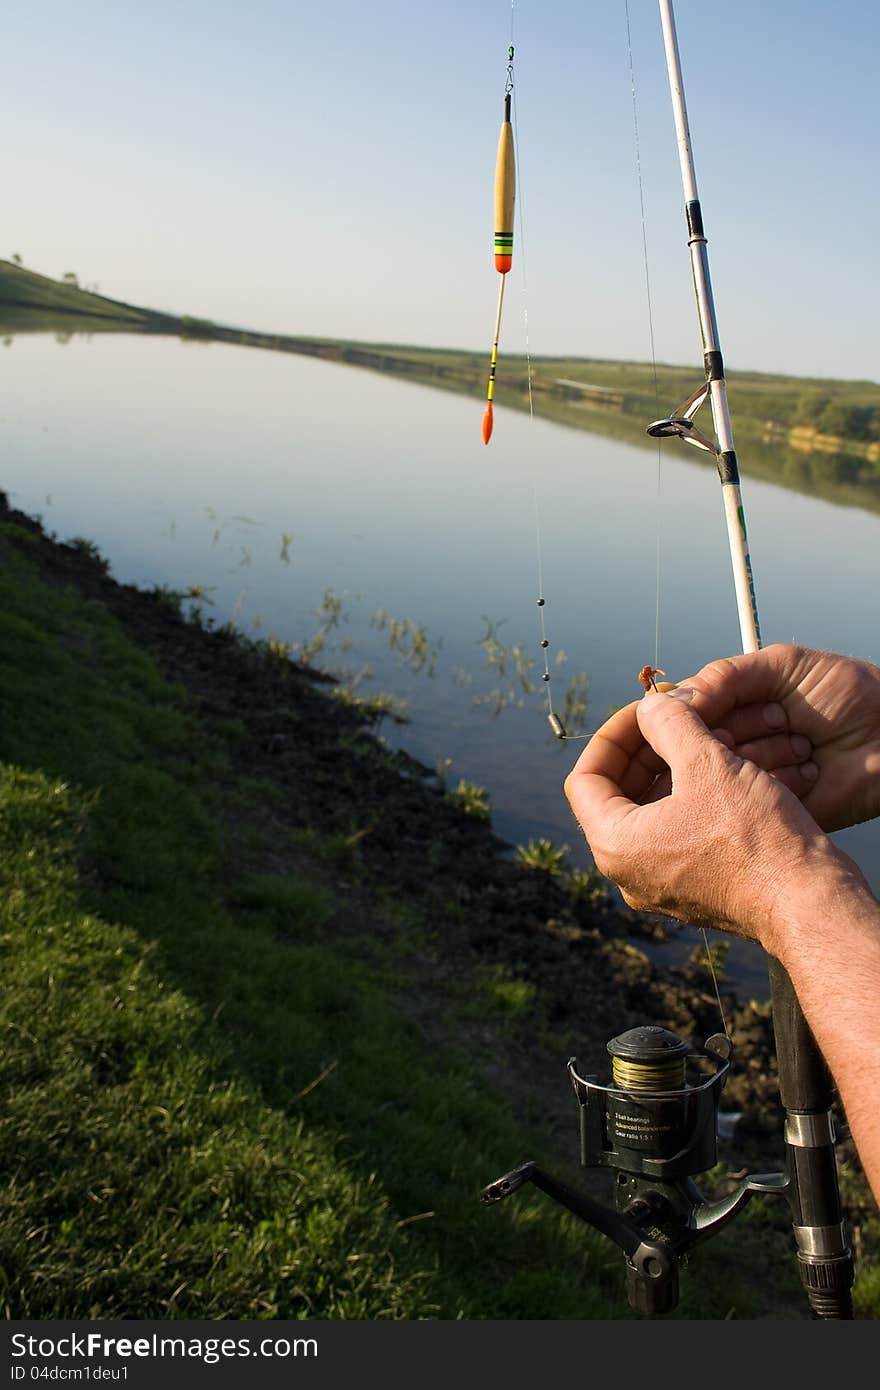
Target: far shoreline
781 423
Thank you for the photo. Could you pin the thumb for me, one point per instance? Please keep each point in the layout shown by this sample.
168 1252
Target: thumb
673 729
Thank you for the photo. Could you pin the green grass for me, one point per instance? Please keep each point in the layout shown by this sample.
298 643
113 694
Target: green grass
141 1178
543 855
473 800
164 1151
219 1100
27 289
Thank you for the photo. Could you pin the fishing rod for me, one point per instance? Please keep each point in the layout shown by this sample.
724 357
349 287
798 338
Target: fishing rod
655 1123
505 196
824 1256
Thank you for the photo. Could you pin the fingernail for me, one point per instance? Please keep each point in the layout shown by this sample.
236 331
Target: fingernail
774 716
683 692
801 746
809 771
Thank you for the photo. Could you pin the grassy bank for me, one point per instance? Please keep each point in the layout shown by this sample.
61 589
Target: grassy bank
275 1008
44 297
173 996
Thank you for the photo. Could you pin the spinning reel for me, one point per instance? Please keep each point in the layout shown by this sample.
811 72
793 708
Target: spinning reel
655 1127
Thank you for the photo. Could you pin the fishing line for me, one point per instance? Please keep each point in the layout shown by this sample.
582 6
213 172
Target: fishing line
520 215
553 718
649 303
506 182
555 721
650 308
520 219
710 959
507 206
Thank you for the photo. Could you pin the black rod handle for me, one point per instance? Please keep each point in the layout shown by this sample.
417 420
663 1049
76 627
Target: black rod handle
804 1079
807 1091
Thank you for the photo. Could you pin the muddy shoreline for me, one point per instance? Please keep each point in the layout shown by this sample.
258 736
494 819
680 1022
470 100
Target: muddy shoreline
408 844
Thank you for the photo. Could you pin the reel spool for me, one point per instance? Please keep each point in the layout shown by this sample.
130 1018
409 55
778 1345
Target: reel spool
655 1125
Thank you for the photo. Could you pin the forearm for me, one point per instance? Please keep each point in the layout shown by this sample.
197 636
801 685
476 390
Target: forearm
731 845
828 938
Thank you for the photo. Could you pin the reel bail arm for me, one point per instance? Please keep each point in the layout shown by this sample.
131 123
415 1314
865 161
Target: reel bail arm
655 1127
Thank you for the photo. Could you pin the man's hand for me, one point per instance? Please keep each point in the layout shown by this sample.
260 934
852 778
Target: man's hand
720 846
687 826
810 717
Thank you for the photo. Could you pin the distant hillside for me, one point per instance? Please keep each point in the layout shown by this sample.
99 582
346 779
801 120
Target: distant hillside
818 435
27 289
774 404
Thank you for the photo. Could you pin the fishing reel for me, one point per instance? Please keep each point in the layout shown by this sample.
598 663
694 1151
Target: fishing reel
655 1127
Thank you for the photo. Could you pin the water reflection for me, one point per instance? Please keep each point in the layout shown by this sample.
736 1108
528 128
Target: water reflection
361 522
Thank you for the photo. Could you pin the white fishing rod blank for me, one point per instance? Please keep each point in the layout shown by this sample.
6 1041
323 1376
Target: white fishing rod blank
681 424
825 1258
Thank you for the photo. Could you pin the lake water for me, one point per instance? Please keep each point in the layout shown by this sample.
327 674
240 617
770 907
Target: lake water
271 479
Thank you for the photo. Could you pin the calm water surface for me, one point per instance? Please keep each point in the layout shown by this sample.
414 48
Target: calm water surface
271 480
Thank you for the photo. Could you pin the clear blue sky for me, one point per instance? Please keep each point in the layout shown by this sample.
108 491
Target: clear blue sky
327 168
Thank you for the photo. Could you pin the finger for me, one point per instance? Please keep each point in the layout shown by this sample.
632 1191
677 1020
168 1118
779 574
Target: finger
801 780
618 750
593 787
613 747
661 784
752 721
778 750
754 678
642 773
675 731
596 801
660 787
